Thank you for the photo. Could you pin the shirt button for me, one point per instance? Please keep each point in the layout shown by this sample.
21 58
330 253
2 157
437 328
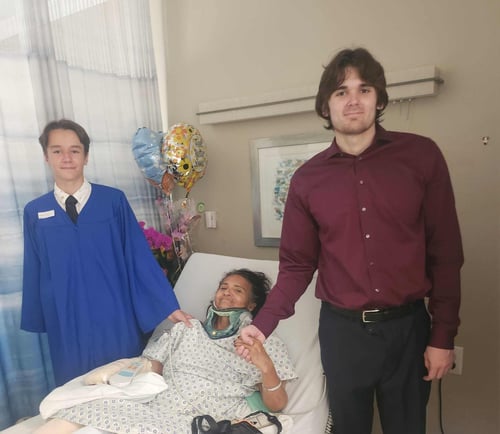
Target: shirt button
360 158
367 236
363 208
361 181
371 264
377 290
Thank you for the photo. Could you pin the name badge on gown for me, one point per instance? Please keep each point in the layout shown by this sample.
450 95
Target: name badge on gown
46 214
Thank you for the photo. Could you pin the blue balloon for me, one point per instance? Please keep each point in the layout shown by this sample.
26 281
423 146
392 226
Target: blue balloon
146 147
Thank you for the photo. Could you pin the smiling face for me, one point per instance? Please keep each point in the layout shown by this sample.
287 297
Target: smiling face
353 106
66 157
234 292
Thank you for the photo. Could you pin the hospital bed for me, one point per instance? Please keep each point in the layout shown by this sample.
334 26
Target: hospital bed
307 396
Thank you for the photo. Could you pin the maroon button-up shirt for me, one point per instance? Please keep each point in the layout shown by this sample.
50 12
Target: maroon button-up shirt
381 229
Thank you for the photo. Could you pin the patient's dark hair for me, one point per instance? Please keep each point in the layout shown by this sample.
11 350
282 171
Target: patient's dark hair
369 70
261 285
64 124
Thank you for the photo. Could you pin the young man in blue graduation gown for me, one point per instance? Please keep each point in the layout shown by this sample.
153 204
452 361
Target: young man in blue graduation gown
91 284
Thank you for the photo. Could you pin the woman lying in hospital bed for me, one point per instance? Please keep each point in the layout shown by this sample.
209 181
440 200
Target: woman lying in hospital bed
202 374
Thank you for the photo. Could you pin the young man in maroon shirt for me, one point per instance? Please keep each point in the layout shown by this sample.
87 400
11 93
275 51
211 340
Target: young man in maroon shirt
375 215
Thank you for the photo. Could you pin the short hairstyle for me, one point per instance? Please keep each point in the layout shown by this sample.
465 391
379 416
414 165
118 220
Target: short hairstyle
369 69
64 124
260 283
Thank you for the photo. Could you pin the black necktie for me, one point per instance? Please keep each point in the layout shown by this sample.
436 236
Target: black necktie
71 208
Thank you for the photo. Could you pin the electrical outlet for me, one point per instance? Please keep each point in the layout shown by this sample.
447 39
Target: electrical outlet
459 360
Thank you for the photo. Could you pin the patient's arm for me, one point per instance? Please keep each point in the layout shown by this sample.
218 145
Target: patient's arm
102 374
272 388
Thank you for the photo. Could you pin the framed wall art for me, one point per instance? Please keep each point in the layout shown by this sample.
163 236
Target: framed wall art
273 162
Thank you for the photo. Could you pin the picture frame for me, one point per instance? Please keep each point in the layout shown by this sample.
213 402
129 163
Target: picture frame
273 162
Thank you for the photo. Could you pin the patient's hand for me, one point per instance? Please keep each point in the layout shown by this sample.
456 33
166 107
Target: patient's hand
257 354
179 315
247 335
156 366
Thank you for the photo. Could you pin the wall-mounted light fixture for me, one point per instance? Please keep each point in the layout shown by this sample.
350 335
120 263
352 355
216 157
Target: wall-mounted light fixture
401 86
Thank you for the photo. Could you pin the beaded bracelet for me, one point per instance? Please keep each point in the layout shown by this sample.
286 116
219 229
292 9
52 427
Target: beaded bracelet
272 389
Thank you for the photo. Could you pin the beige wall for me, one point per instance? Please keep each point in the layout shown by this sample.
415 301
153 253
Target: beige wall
231 48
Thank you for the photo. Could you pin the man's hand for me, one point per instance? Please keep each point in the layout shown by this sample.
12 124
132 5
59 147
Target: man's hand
179 315
438 362
247 334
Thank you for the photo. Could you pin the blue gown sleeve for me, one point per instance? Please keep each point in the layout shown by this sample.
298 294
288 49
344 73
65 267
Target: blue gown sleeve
152 295
32 318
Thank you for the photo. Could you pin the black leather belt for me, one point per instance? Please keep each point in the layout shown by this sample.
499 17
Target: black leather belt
377 315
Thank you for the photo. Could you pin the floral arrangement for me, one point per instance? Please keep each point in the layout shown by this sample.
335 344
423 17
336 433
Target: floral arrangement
162 246
172 248
179 217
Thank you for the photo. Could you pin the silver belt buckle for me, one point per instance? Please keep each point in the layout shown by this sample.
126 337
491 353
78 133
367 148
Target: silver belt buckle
363 315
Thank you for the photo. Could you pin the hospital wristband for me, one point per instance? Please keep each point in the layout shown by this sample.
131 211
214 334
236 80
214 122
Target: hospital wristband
272 389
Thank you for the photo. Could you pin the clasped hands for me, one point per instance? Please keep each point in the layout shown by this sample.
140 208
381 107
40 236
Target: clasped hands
249 345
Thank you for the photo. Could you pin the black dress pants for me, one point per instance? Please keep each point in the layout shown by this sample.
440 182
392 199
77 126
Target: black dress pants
383 360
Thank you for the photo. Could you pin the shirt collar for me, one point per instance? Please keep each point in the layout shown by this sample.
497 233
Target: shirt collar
381 137
81 194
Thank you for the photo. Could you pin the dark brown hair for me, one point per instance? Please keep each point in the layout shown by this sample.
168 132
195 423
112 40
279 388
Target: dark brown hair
261 285
64 124
369 69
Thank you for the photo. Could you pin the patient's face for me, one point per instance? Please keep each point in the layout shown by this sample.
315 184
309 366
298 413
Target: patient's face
234 292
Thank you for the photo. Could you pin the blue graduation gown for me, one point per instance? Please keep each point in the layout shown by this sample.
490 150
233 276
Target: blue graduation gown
94 287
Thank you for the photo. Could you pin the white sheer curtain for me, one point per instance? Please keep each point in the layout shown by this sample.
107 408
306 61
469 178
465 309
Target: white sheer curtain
91 61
